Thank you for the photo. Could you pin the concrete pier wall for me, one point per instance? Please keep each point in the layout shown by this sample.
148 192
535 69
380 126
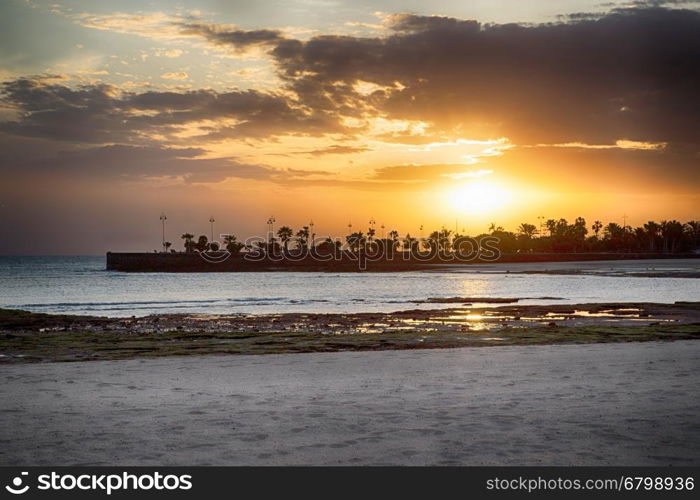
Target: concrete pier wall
194 262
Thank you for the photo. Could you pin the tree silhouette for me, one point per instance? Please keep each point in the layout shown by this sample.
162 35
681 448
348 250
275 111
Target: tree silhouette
356 241
526 233
303 237
652 235
410 243
285 234
527 230
202 244
189 244
551 226
669 236
232 244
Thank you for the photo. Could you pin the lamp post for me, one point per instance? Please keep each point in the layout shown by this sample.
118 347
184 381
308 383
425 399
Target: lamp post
163 218
271 226
212 221
313 235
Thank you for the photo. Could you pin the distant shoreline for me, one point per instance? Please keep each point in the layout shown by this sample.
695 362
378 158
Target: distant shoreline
193 262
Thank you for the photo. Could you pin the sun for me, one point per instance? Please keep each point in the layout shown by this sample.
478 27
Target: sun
479 197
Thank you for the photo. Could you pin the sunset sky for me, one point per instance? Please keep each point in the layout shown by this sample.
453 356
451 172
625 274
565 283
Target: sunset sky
407 112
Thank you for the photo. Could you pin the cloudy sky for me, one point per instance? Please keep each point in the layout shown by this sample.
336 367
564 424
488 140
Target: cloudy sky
407 112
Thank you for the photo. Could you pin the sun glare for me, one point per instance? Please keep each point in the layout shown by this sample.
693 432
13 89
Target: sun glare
479 197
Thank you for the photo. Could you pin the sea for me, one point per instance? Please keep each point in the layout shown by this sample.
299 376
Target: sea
81 285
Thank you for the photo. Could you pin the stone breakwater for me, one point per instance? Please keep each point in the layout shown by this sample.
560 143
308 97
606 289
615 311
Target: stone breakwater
219 262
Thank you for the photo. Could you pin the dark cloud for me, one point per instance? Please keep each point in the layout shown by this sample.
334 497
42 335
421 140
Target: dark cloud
125 162
99 114
415 23
623 8
631 74
236 38
51 110
122 162
661 3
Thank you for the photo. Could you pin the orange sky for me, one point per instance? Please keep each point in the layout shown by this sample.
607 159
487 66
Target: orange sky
409 119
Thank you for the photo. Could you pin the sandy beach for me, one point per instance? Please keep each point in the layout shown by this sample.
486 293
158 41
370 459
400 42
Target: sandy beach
596 404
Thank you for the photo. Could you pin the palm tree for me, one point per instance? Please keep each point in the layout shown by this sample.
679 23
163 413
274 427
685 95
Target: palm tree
652 231
329 246
597 226
285 234
615 235
232 244
578 231
369 242
303 236
370 233
527 233
410 243
446 239
432 242
167 245
692 229
202 243
189 244
493 228
356 240
551 226
672 234
439 240
527 230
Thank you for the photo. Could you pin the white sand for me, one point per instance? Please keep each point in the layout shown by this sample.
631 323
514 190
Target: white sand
630 404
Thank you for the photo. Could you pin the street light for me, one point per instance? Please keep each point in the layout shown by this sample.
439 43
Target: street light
271 225
212 221
313 235
163 218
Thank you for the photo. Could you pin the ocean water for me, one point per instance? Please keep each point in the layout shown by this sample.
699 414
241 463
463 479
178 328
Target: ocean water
81 285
